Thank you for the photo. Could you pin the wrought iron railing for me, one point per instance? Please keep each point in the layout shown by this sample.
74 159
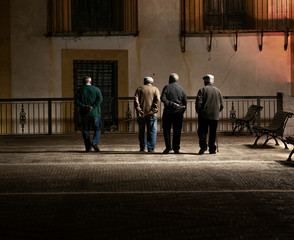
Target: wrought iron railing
56 115
220 16
36 116
92 18
203 17
234 107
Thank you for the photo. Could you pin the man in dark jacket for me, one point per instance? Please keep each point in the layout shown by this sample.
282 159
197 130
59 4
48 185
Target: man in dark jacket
175 100
209 103
89 98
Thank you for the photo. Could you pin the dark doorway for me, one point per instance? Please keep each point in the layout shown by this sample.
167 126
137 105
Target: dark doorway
104 76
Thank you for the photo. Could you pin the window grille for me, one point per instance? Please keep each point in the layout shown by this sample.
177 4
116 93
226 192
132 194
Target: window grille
224 14
92 17
99 15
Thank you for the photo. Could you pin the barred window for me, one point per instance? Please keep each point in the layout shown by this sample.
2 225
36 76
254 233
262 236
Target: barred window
83 17
96 15
224 14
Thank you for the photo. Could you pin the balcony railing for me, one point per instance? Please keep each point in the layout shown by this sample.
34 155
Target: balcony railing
92 18
223 16
56 115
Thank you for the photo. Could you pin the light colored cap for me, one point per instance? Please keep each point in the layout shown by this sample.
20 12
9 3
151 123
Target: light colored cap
209 78
148 80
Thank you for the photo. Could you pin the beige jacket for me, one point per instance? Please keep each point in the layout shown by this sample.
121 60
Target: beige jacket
147 98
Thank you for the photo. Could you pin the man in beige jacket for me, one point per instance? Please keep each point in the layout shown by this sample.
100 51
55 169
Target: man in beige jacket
147 99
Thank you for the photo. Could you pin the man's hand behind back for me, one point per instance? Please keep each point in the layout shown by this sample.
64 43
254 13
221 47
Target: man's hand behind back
89 108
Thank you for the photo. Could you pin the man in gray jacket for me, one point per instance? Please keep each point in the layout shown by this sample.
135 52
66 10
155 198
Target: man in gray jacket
209 103
175 100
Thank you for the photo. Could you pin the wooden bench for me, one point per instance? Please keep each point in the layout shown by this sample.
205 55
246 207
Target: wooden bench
290 140
248 120
275 130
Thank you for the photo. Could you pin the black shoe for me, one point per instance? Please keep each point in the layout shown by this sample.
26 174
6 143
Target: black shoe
212 152
166 151
96 148
151 151
142 150
201 151
176 151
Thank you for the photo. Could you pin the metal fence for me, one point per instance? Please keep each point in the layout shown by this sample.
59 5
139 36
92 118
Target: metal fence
36 116
56 115
234 107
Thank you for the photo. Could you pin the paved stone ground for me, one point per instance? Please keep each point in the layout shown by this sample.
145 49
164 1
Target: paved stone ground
51 189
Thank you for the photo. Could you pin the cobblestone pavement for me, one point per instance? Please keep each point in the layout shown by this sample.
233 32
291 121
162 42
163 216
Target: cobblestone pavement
51 189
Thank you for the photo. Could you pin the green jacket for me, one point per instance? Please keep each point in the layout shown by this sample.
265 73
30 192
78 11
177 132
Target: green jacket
89 95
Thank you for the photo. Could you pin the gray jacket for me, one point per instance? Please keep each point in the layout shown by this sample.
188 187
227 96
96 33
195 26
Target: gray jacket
209 102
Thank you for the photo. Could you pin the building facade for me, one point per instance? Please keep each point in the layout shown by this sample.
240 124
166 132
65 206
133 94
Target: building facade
47 46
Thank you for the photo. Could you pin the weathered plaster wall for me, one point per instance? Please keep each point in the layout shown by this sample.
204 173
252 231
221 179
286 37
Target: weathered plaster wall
29 49
246 71
5 59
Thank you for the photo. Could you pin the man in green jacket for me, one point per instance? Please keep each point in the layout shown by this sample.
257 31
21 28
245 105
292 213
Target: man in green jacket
89 98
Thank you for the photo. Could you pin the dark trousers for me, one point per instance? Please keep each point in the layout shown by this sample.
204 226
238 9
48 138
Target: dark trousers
174 120
87 124
203 126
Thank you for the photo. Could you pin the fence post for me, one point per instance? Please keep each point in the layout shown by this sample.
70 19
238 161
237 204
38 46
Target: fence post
258 113
233 115
128 115
50 116
280 101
